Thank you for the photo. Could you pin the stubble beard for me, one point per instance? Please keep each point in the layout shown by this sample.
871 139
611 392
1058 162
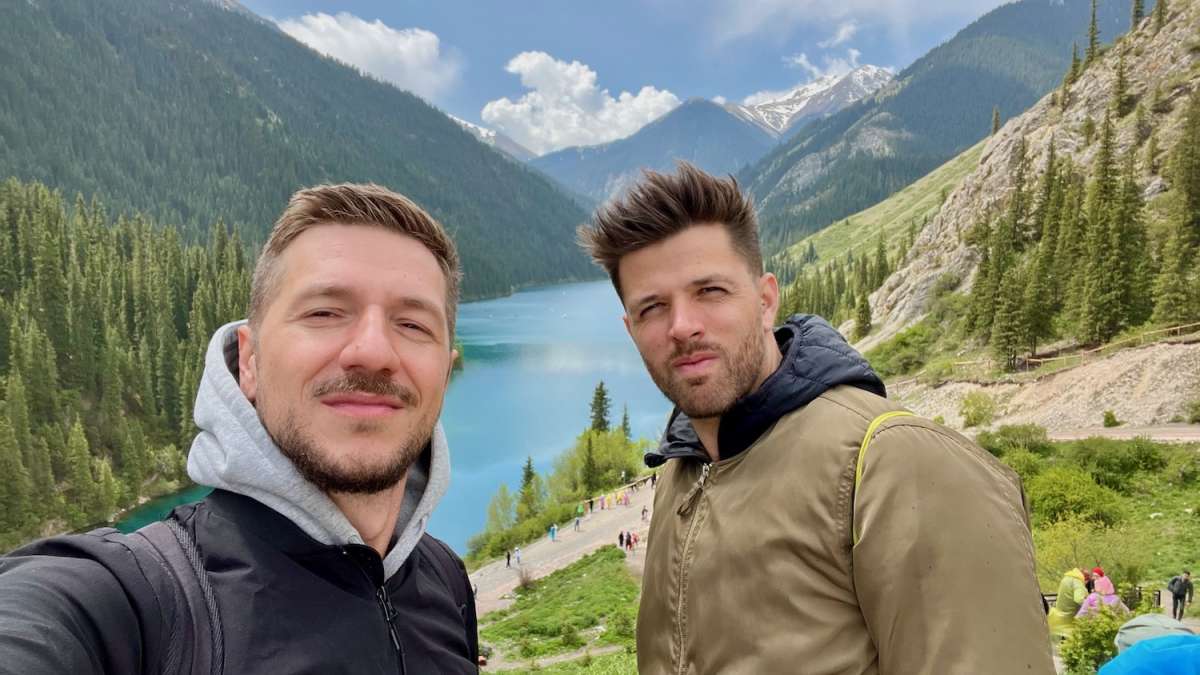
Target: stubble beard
317 464
712 395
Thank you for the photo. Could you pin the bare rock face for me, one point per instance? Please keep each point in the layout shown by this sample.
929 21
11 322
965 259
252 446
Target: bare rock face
1146 386
1168 60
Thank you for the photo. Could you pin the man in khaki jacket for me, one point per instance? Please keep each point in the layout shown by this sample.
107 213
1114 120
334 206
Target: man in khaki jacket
803 523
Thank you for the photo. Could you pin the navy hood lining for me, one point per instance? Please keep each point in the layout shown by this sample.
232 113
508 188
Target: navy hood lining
816 358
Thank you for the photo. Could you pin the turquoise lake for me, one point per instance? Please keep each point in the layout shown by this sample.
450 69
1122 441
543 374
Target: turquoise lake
531 362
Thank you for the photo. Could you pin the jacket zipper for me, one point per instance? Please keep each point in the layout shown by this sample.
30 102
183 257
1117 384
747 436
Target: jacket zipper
385 605
688 507
389 616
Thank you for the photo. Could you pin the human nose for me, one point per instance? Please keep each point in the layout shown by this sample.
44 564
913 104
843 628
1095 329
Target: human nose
370 346
685 322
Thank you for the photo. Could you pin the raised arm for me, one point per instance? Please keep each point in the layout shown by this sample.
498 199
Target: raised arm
65 615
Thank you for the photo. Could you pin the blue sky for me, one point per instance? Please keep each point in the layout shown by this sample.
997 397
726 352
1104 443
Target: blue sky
557 73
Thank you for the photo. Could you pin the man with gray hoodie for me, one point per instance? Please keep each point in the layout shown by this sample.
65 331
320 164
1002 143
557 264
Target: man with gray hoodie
319 434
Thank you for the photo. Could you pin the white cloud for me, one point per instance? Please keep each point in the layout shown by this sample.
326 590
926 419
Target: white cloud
833 65
720 100
737 19
565 107
845 31
410 58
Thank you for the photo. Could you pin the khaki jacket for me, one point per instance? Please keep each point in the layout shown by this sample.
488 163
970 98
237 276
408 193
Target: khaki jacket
750 565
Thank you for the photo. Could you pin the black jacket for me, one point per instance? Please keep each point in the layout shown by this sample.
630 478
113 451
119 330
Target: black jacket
287 603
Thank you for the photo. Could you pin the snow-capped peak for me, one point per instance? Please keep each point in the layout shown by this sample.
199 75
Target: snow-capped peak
818 98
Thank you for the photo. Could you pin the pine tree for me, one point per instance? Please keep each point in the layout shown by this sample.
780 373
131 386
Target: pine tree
600 408
1037 304
1100 312
532 494
1172 306
1069 77
995 119
16 505
1160 14
1138 13
591 473
626 431
1093 48
1185 171
1121 100
1130 258
862 317
1006 335
81 489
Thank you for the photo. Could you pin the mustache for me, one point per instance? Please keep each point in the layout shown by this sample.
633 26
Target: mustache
680 351
367 383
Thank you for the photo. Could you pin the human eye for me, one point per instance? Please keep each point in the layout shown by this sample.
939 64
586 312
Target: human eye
647 310
415 328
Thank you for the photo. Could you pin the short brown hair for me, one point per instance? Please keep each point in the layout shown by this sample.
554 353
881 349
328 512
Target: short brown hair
353 204
661 205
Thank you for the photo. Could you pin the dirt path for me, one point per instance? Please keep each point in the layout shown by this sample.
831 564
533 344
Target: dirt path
495 582
1168 433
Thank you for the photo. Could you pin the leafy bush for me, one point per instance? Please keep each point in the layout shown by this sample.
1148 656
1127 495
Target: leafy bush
1090 644
1025 463
904 353
1062 492
1125 551
1012 437
1112 463
978 409
1183 466
1110 419
1193 412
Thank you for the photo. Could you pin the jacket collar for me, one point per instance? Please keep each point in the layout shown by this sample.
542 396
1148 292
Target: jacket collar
816 358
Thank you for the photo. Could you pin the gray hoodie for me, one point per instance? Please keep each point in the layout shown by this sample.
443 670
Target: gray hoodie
234 452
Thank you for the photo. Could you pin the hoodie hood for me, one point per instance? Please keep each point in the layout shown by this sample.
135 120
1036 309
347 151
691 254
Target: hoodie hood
234 452
816 358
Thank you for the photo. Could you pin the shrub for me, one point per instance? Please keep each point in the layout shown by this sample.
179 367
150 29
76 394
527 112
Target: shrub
1110 419
939 420
1192 412
1012 437
978 409
1183 466
1112 463
904 353
570 636
1090 644
1062 492
1025 463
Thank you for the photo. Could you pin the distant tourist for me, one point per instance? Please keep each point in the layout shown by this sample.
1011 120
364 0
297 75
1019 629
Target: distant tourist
1181 593
896 518
1072 591
553 531
517 555
621 539
645 512
1104 596
576 523
318 429
507 558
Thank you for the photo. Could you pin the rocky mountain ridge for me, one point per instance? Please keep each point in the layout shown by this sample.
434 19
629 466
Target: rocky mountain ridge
1168 60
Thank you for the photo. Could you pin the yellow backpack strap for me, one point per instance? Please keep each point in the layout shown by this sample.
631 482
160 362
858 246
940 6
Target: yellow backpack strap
858 467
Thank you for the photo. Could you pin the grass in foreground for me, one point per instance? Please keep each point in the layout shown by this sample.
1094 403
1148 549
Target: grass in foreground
591 603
